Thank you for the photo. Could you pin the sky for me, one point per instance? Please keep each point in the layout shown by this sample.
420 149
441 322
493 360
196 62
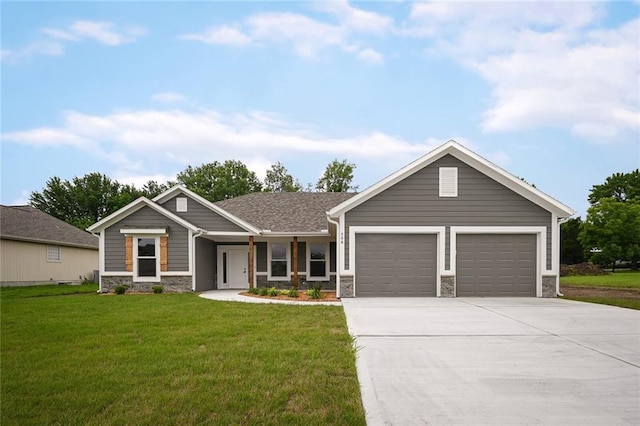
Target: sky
141 90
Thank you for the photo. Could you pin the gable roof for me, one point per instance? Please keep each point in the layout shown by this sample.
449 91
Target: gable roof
474 160
286 212
133 207
26 223
181 189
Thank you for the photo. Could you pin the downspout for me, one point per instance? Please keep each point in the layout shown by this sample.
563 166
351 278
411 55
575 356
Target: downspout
560 222
338 253
198 233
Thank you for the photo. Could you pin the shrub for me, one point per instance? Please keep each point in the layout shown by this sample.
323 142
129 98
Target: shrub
157 289
254 290
263 291
292 292
273 292
121 289
315 292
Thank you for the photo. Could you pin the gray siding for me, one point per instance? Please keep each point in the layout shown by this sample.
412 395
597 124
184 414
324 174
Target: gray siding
481 201
178 241
206 264
201 216
261 262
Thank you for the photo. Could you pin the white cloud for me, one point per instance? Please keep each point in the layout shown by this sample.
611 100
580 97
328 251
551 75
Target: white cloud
371 56
307 36
140 140
225 35
544 63
106 33
168 97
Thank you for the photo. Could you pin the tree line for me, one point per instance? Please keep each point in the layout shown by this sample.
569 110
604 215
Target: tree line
611 231
85 200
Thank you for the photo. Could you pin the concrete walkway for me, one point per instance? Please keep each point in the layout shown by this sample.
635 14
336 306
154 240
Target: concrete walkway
496 361
235 296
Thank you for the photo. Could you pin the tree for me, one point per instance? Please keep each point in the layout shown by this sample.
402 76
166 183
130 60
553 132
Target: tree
571 251
215 181
83 200
337 177
619 186
611 232
152 189
278 179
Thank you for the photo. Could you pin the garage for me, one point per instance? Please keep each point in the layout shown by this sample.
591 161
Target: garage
490 265
396 265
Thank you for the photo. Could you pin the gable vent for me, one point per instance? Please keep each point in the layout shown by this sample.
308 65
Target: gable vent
181 204
448 181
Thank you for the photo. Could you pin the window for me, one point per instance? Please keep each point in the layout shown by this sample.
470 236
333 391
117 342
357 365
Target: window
146 258
54 254
448 181
279 261
317 261
181 204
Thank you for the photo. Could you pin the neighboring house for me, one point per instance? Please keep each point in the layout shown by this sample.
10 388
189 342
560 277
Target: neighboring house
37 248
449 224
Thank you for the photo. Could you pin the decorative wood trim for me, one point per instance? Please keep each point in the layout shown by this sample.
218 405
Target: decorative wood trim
128 257
164 254
251 262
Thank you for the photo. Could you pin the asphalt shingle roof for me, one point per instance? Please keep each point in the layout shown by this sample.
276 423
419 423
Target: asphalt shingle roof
285 211
30 224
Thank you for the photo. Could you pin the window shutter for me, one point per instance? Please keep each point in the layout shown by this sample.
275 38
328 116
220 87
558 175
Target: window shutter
448 181
164 264
128 257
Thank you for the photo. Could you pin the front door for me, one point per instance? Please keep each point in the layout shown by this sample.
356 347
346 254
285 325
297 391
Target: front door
234 265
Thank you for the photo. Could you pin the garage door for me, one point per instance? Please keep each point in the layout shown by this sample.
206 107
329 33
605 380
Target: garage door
496 265
396 265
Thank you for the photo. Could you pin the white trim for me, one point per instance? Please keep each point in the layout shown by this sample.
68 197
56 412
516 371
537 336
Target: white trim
327 260
287 245
143 231
206 203
182 204
101 260
269 233
541 246
463 154
227 234
439 231
58 253
136 276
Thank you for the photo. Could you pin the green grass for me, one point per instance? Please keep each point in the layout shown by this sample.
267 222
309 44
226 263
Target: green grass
173 359
622 303
46 290
620 279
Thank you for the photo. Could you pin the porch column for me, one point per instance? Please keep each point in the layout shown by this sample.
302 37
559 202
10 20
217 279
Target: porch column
295 263
251 265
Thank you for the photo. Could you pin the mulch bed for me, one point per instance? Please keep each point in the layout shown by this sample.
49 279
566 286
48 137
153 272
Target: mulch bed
617 293
327 296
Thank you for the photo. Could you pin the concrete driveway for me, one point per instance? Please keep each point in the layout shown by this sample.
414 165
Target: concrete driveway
498 361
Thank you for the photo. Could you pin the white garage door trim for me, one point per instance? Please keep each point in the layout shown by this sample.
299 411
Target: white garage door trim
439 231
541 246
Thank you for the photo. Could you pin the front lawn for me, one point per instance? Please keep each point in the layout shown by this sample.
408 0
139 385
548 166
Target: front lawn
621 288
173 359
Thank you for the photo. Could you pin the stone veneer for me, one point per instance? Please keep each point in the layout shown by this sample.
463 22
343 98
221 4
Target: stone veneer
447 286
178 284
346 287
262 281
549 286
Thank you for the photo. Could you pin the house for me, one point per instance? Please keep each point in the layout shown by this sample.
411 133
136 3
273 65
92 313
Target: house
37 248
449 224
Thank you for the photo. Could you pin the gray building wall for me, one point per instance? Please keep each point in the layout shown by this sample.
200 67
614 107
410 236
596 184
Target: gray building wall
206 264
415 201
177 243
201 216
